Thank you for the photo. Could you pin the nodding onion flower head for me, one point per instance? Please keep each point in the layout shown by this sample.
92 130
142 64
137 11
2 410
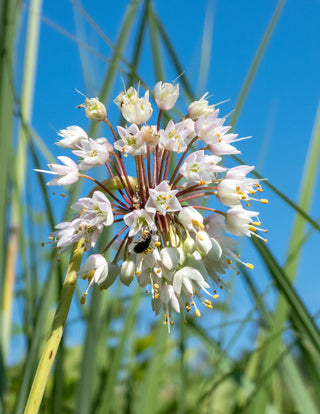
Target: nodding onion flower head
168 203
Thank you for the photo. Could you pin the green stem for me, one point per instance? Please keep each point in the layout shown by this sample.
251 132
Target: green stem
51 347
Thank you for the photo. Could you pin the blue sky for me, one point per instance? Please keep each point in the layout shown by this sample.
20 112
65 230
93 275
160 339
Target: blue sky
279 111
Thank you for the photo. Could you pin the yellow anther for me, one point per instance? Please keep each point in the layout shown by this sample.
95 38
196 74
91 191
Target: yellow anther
137 272
157 244
264 201
256 223
243 197
209 306
147 291
156 296
159 271
170 196
266 240
212 163
50 238
171 323
167 207
237 188
203 182
248 205
200 237
229 261
252 228
83 300
249 266
216 296
164 322
164 197
252 192
207 302
198 313
63 195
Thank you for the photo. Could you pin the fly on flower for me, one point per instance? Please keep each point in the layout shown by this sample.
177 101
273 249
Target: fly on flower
169 216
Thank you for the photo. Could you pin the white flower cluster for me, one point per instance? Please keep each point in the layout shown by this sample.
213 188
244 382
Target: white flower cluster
170 239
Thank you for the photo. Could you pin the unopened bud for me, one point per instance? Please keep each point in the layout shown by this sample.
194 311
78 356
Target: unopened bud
95 110
127 271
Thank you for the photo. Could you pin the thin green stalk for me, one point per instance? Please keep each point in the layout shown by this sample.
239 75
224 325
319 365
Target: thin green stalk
256 62
52 344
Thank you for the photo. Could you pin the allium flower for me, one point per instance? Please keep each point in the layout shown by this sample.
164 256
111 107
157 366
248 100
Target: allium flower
174 137
92 153
64 174
166 95
168 206
200 167
162 199
134 109
131 141
95 210
72 136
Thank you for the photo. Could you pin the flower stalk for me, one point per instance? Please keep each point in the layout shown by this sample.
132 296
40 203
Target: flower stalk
52 344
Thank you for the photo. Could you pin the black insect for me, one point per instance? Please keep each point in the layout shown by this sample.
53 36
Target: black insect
144 243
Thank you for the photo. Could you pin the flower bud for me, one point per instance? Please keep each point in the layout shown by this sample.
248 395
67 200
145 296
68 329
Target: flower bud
127 272
203 242
166 95
95 110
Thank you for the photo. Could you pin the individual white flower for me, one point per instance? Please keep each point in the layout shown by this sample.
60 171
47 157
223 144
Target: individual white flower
131 141
203 242
72 136
139 221
238 221
95 210
95 269
210 130
191 219
236 187
127 270
163 199
170 257
95 110
92 153
173 138
134 109
187 283
199 108
71 232
166 95
200 168
64 174
188 124
167 299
